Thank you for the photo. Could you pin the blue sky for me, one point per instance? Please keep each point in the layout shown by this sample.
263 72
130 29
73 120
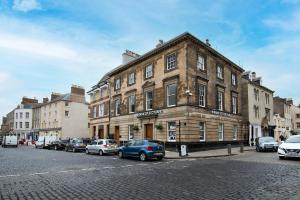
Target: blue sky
48 45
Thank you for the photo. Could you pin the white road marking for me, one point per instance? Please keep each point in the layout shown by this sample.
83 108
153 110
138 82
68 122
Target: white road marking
10 176
38 173
65 171
109 167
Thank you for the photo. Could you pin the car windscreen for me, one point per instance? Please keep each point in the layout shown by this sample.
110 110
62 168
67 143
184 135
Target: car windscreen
267 139
293 140
111 142
86 141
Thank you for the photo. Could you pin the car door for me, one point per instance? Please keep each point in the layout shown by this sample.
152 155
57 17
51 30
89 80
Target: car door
137 147
128 148
99 146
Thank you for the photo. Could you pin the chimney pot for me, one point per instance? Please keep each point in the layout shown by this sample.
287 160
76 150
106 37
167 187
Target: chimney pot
207 42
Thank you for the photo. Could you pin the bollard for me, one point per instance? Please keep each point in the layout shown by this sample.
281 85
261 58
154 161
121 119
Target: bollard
242 148
229 149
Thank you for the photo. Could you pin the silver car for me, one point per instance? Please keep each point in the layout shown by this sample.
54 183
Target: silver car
102 146
266 144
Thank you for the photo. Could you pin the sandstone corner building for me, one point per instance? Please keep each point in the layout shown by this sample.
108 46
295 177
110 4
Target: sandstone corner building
181 91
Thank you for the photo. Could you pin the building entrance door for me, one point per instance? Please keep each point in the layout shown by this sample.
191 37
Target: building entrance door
117 134
149 131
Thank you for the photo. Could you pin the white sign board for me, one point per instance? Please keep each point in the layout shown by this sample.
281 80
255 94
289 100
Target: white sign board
183 150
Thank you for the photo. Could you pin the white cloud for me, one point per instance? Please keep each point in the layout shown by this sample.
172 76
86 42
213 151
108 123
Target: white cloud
26 5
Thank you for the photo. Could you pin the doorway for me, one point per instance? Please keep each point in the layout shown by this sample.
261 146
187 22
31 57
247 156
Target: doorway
117 134
149 131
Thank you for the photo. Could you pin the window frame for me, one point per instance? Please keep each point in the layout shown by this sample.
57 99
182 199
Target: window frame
234 103
170 95
117 109
221 131
171 130
152 71
117 80
220 101
233 80
203 96
203 131
219 66
167 68
131 98
147 100
131 78
235 132
203 66
101 110
130 132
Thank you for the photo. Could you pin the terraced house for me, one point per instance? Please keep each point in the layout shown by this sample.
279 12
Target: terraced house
181 91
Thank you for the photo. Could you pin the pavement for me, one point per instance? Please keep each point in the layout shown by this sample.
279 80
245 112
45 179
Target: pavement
34 174
209 153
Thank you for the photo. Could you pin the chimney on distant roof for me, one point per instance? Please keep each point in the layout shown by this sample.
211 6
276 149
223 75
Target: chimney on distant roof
45 100
246 75
54 96
77 94
253 75
26 100
207 42
129 56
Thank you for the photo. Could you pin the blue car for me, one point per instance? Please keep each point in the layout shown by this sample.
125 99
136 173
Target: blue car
143 149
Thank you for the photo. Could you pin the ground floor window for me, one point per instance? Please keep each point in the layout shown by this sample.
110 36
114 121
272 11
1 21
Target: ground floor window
221 132
234 133
202 131
130 132
171 131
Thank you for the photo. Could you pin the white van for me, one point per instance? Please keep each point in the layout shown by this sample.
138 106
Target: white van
44 141
10 140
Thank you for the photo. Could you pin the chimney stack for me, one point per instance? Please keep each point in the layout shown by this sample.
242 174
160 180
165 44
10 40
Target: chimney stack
54 96
207 42
129 56
77 94
26 100
45 100
160 43
253 75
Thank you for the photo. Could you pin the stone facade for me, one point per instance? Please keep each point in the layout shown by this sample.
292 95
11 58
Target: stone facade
181 91
295 111
282 117
257 107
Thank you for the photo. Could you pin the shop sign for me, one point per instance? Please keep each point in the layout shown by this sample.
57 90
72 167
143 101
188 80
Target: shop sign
216 112
149 113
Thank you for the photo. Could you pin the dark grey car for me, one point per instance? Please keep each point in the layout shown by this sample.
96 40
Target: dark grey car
266 144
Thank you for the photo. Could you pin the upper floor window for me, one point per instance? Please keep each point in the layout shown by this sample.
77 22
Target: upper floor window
27 115
131 101
27 124
171 61
234 104
16 125
201 62
21 125
233 79
94 111
131 78
202 95
101 110
220 72
220 98
16 116
298 115
171 95
149 100
66 114
117 107
66 103
256 111
256 94
21 115
149 71
267 99
118 84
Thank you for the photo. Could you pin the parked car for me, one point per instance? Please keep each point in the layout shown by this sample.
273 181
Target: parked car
58 144
143 149
10 140
266 144
102 146
77 144
290 148
44 141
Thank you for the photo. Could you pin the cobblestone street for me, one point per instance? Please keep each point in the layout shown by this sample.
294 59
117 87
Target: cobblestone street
28 173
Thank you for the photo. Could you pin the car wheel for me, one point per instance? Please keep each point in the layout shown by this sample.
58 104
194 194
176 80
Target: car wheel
74 150
143 156
160 158
101 153
120 154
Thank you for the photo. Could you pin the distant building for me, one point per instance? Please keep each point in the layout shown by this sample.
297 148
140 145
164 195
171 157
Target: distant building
257 107
64 116
282 117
